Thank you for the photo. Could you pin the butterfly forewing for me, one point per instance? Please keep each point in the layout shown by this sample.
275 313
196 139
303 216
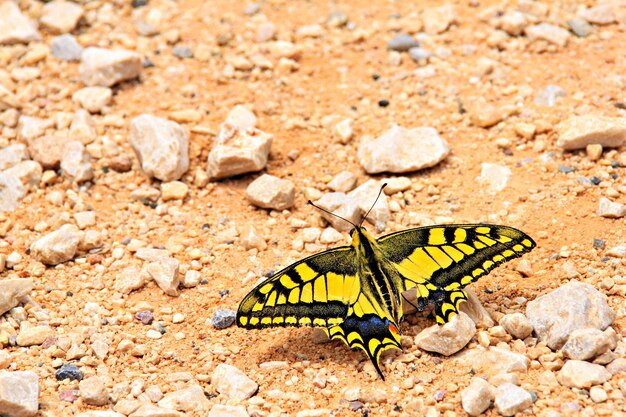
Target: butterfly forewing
316 291
441 260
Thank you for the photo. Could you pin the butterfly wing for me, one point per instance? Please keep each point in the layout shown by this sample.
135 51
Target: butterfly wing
441 260
315 291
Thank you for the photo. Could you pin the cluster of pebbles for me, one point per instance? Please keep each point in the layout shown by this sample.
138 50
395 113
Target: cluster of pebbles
155 158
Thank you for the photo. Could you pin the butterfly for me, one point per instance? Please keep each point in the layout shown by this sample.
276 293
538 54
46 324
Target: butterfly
355 292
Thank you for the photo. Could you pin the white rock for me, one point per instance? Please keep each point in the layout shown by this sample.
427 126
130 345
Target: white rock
494 361
129 279
365 196
602 14
161 145
403 150
5 359
268 191
57 247
85 219
164 272
581 374
93 99
107 67
19 392
618 251
35 335
12 291
75 163
477 397
15 27
93 391
554 316
344 130
174 190
233 383
66 48
585 344
241 118
396 184
548 32
238 152
609 209
579 131
83 127
219 410
513 22
511 399
12 155
343 182
517 325
494 176
449 338
343 206
61 16
187 399
28 172
474 308
11 192
151 410
438 19
598 395
330 235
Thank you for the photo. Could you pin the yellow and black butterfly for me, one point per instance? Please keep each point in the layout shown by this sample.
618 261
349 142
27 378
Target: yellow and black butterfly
354 292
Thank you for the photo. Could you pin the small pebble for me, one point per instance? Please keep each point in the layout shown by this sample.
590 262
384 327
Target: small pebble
68 371
223 318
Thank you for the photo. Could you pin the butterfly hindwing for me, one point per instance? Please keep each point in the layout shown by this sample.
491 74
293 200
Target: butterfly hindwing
316 291
441 260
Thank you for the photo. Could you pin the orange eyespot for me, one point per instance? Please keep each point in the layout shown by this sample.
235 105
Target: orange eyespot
392 328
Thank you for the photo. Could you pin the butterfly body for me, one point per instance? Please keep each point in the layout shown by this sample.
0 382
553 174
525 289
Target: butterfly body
355 292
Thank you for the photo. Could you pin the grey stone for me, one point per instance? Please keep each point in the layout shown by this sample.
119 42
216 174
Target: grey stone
12 155
477 397
401 150
93 391
12 291
182 52
190 399
162 147
238 152
548 95
11 192
19 393
68 371
517 325
66 48
75 163
223 318
548 32
580 27
61 16
449 338
268 191
494 360
107 67
585 344
233 383
402 42
164 272
554 316
581 374
577 132
57 247
511 399
15 27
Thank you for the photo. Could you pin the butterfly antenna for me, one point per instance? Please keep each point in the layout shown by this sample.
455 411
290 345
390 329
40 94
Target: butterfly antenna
329 212
375 201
